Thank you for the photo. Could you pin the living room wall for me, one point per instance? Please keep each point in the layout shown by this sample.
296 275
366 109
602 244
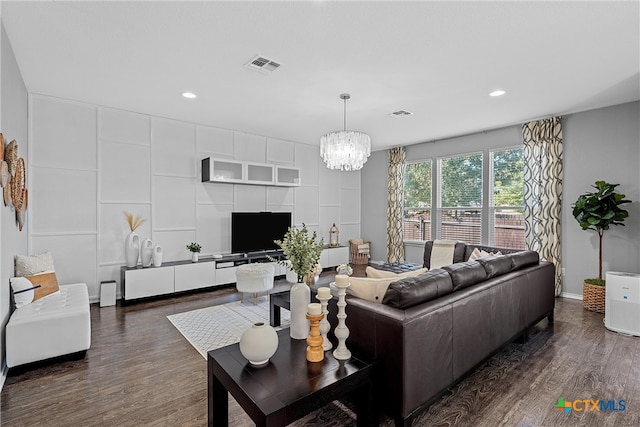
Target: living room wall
92 163
602 144
13 125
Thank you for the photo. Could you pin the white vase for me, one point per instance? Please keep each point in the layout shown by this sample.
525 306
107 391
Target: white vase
299 299
146 252
132 249
194 256
258 343
156 258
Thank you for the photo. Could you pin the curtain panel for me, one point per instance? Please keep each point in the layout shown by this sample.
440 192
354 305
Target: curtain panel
543 190
395 192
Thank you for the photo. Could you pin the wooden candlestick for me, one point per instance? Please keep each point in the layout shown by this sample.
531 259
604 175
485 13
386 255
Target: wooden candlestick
324 323
315 353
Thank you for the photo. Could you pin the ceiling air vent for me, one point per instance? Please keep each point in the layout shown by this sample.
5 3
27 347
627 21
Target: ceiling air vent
401 113
260 63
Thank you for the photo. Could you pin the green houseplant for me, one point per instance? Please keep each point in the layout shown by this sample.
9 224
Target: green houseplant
302 251
195 249
598 211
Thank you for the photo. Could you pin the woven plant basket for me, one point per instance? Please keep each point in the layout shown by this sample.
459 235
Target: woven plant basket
593 297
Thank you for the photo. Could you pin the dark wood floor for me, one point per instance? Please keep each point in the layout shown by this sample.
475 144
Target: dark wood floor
141 371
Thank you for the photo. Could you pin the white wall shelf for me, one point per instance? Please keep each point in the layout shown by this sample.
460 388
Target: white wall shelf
237 172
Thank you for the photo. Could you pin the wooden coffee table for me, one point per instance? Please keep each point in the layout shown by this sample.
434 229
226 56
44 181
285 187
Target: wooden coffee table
288 387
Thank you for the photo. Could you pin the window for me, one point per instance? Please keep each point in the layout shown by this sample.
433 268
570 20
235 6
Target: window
506 201
417 201
478 198
460 198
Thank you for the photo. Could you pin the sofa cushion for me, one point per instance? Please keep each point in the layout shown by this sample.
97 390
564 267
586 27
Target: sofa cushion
495 265
415 290
458 252
523 259
465 274
27 265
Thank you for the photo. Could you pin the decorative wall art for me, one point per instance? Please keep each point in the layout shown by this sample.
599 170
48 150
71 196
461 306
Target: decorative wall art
13 179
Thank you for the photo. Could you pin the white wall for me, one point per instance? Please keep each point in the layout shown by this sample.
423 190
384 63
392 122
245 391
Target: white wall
91 163
601 144
13 125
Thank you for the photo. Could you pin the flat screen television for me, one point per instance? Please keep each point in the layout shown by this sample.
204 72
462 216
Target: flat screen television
256 231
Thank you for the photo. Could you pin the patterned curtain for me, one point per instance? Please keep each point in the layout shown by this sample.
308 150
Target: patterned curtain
395 186
543 190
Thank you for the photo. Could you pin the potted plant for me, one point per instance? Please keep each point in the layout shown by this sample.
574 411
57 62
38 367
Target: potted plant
195 250
598 211
302 252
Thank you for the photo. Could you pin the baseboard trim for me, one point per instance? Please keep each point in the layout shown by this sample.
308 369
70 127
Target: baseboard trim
571 296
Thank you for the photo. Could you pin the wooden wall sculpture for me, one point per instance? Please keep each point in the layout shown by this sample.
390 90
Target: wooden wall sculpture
13 179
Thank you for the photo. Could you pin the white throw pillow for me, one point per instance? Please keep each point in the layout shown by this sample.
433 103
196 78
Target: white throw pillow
368 288
378 274
478 253
27 265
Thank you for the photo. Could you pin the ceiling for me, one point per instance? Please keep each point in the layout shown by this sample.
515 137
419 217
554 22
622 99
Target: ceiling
438 60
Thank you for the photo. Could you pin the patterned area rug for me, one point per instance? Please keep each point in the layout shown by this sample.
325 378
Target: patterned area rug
214 327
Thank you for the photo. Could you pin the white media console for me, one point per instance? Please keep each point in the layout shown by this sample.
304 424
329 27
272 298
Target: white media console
181 276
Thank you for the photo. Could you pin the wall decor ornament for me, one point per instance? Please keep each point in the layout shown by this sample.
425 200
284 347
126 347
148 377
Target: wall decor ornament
132 241
258 343
146 252
13 179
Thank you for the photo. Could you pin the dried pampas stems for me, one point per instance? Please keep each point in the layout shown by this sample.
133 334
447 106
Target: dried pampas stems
1 146
134 221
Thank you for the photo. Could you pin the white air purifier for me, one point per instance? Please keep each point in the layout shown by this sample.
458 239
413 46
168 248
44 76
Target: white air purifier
622 303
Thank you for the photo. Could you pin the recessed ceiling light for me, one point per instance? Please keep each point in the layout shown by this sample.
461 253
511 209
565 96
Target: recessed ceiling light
498 92
189 95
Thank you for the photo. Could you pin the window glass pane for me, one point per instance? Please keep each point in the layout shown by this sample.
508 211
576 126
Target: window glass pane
460 202
507 199
417 201
417 224
507 179
461 181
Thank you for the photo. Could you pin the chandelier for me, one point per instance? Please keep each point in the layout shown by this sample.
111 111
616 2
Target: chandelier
345 150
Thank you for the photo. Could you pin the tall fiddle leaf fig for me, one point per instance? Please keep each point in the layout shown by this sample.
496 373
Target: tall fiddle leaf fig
599 210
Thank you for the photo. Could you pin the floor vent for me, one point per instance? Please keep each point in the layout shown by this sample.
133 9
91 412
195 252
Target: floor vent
260 63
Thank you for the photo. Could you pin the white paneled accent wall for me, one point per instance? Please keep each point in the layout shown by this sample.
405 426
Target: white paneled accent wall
91 164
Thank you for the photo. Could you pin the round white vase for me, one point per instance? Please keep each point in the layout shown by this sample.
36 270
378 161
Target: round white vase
194 256
299 299
132 249
258 343
146 252
156 258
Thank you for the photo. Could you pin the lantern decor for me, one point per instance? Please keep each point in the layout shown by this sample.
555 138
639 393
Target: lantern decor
334 233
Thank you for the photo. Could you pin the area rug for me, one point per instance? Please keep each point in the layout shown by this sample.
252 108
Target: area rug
221 325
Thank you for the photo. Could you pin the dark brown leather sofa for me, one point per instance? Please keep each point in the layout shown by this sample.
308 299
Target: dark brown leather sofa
434 328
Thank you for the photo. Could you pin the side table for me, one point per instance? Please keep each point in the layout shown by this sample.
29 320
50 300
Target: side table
288 387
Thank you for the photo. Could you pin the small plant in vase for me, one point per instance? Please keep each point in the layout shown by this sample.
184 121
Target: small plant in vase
302 251
195 249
